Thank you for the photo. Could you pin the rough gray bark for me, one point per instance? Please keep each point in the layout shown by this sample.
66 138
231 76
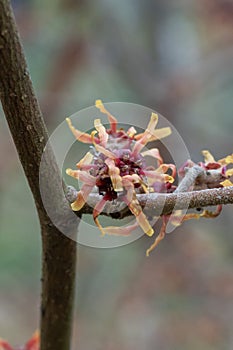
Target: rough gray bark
27 127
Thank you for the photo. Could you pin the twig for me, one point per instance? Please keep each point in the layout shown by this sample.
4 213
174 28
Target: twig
189 179
163 203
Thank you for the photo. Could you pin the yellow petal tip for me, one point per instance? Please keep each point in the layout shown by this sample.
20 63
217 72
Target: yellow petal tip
69 171
98 103
150 232
154 116
226 183
76 207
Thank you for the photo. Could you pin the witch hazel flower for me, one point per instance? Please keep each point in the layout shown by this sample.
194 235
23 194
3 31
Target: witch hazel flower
116 166
214 174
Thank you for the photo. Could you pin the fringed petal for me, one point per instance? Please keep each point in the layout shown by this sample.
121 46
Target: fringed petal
114 173
159 134
82 176
133 204
99 207
159 238
141 219
165 168
86 160
81 197
176 218
120 231
211 214
129 181
79 135
111 118
153 176
103 136
144 137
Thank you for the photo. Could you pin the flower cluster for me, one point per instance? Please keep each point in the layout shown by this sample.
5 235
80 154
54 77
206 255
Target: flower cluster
116 166
32 344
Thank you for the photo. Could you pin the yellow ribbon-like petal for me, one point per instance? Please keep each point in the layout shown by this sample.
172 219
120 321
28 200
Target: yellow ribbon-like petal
111 118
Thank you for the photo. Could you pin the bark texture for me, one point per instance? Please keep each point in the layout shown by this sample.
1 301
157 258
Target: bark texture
30 136
161 203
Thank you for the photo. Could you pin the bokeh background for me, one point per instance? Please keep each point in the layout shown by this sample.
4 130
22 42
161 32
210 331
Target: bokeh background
175 57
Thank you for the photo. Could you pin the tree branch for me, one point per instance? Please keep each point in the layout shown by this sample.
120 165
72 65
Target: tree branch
162 203
30 136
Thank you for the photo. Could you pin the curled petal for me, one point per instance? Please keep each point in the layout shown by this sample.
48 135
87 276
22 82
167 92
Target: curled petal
120 231
142 220
165 168
211 214
176 218
82 176
86 160
153 122
103 136
208 157
114 173
191 216
129 181
159 238
160 133
111 118
154 152
151 179
144 137
81 197
101 149
157 134
136 209
111 230
79 135
129 186
156 176
99 207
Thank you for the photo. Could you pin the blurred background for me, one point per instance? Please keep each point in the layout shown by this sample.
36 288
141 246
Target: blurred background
175 57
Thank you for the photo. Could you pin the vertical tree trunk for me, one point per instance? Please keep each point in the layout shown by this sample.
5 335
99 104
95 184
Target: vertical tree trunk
30 136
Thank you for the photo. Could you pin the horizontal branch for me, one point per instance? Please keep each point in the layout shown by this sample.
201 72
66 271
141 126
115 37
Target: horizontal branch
160 203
